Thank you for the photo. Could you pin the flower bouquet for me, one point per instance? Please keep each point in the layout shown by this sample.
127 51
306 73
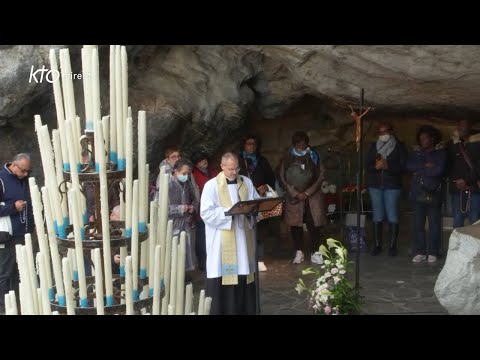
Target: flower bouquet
331 292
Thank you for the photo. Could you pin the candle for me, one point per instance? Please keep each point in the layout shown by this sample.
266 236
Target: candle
95 79
188 299
113 113
57 92
171 310
146 189
22 273
142 160
88 69
73 262
119 118
13 306
134 240
124 62
29 296
77 127
57 266
97 262
45 308
59 168
129 111
152 230
39 301
49 170
73 198
129 178
72 154
67 281
167 265
155 278
31 273
100 165
173 274
143 260
164 305
180 274
201 303
107 253
128 285
208 305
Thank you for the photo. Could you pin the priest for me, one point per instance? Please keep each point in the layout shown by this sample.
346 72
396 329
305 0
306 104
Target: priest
230 241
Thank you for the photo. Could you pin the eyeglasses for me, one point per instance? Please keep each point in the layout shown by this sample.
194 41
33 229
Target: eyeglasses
236 169
251 143
23 170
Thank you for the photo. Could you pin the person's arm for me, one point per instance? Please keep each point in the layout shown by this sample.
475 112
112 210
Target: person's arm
370 159
396 165
291 190
412 162
211 212
269 174
9 208
318 183
437 167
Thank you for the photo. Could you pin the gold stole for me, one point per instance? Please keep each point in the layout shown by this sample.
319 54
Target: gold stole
229 244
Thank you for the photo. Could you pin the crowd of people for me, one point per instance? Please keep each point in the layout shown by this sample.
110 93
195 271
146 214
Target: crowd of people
200 193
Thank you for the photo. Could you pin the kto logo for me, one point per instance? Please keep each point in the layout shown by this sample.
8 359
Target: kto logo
50 75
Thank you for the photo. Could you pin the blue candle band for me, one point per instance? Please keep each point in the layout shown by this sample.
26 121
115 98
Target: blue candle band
113 157
142 227
121 164
89 125
128 232
62 300
66 167
51 295
135 294
122 270
143 274
97 167
84 302
75 275
150 292
109 300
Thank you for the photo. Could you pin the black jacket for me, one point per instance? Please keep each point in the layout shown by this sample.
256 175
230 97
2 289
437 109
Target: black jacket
263 173
390 178
457 166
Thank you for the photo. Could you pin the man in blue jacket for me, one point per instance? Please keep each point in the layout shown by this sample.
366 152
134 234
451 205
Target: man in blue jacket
15 194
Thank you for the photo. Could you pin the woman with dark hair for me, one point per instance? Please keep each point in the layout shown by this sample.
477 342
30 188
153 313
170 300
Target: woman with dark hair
201 172
258 169
385 163
301 175
427 163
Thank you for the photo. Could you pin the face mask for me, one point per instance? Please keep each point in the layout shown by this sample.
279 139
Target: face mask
182 178
300 152
384 138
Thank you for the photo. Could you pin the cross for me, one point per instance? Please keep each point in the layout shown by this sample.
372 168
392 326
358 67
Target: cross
357 118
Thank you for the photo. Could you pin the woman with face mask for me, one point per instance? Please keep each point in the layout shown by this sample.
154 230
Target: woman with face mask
385 163
182 205
301 175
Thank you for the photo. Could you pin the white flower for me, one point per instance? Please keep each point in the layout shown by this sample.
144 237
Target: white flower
334 270
327 275
342 271
336 279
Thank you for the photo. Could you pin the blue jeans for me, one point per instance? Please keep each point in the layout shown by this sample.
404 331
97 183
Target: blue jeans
385 201
473 212
420 213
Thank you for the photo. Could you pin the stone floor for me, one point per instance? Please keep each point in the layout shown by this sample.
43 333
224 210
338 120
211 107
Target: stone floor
390 285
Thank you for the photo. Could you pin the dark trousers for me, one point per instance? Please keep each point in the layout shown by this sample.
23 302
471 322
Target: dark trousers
237 299
314 232
434 213
200 245
472 211
9 277
262 233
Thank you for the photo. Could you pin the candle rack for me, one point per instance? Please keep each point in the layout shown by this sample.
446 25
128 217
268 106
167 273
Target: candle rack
89 178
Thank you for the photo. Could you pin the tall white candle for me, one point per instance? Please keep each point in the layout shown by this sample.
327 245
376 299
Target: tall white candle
68 93
71 153
201 303
97 261
67 282
88 81
146 189
143 260
129 112
180 274
155 279
113 112
124 61
57 266
164 310
152 230
51 180
171 309
59 106
129 177
134 240
72 197
142 161
30 291
173 274
208 305
59 168
188 299
129 285
107 253
119 118
44 284
32 274
95 81
167 266
22 270
42 241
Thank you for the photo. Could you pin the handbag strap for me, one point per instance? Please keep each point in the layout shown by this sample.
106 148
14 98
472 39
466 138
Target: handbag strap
465 156
246 167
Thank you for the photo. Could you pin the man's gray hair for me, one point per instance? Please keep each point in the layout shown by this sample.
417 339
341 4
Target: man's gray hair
20 157
229 156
